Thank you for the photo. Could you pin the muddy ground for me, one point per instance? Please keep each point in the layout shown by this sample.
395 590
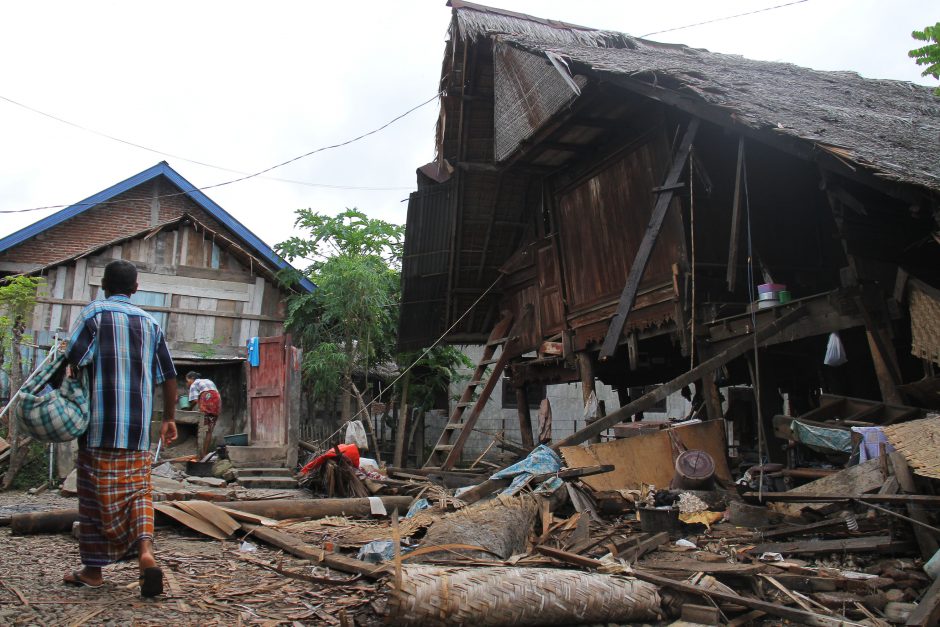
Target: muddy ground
209 583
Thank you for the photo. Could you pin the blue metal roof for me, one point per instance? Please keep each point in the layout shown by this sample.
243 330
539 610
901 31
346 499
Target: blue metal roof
161 169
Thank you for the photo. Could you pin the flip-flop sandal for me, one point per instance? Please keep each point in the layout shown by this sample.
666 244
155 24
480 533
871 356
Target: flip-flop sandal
75 579
151 582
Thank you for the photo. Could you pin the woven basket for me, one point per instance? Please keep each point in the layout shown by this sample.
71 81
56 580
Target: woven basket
434 596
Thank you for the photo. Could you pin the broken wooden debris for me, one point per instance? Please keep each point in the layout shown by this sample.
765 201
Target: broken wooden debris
299 548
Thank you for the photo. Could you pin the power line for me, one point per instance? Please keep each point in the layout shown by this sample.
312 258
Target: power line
720 19
236 180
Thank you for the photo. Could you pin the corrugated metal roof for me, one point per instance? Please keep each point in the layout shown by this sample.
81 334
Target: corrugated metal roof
161 169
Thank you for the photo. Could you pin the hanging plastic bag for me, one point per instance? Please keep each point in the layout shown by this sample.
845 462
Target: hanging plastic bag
835 352
356 434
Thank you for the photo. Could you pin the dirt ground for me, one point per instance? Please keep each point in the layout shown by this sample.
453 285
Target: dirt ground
209 582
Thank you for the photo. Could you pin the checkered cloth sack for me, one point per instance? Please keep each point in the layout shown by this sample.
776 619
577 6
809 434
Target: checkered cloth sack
54 415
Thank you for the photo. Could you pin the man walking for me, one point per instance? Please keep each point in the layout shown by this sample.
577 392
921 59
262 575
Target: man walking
125 354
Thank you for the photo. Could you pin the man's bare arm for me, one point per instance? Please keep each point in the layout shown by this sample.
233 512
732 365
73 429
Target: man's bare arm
168 428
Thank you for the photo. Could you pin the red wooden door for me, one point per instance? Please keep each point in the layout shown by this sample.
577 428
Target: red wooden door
267 391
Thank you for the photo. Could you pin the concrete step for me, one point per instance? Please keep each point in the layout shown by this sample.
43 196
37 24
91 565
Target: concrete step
263 472
275 483
257 456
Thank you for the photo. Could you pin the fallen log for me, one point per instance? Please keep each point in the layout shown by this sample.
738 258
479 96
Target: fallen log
57 521
439 597
297 547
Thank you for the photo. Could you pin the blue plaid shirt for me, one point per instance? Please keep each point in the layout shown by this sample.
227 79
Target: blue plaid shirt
126 355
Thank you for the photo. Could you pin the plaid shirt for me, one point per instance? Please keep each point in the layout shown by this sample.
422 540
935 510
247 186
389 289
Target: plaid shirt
127 354
199 386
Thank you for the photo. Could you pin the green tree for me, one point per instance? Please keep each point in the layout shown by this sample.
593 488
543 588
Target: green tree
17 301
348 324
928 55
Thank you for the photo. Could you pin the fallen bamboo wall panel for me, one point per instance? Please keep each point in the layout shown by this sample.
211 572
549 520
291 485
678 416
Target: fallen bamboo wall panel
437 597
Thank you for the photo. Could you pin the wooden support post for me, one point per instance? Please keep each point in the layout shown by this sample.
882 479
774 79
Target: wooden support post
926 541
883 356
736 215
401 426
645 250
770 403
712 396
588 387
710 365
525 417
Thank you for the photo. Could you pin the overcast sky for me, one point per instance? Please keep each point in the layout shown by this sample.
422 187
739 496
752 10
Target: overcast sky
246 85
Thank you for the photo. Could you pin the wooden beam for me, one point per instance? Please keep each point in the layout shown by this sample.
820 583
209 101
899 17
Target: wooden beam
894 499
525 418
645 250
297 547
174 310
710 365
736 216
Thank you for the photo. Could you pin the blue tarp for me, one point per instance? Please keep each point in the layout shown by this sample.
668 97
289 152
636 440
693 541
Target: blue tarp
540 461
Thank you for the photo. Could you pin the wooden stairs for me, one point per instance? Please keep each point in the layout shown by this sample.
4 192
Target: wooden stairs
447 451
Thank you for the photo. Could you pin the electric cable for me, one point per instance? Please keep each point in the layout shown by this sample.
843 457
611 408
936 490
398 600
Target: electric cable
247 176
721 19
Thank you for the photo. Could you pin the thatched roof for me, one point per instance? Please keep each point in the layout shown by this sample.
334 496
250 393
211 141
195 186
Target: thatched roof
891 128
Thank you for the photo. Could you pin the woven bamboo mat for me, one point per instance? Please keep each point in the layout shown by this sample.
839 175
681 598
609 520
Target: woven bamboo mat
919 442
434 596
925 321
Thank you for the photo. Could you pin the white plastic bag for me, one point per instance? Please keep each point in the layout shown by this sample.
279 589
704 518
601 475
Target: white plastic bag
835 352
356 434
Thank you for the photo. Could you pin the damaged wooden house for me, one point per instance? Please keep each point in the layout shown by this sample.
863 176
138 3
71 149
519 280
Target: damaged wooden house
208 281
604 207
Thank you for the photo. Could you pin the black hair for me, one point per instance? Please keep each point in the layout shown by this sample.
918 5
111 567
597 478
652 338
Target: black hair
192 374
120 277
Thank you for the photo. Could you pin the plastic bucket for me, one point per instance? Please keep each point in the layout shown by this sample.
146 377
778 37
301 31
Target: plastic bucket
236 439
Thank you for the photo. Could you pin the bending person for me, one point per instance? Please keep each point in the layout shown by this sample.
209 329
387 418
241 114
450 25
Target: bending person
207 395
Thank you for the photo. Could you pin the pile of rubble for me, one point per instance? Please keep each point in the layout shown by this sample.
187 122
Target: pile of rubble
585 535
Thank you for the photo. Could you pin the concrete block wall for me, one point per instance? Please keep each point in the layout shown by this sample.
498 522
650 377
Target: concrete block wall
567 412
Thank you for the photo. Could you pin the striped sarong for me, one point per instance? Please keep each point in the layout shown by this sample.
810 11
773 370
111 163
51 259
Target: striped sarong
115 506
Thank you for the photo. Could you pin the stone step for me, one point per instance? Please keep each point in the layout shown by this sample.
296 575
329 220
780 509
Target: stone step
257 456
275 483
263 472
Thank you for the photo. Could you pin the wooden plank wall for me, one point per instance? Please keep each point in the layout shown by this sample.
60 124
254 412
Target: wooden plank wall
181 275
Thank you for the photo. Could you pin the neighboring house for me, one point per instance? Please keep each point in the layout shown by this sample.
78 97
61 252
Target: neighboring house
603 194
205 278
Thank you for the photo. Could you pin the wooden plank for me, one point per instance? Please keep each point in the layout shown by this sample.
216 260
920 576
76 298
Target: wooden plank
295 546
844 545
185 286
255 519
173 310
859 479
196 524
80 290
646 401
927 611
695 566
211 513
736 215
644 546
645 250
893 499
799 616
58 291
205 325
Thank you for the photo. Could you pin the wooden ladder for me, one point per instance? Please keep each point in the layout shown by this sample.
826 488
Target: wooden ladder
447 451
